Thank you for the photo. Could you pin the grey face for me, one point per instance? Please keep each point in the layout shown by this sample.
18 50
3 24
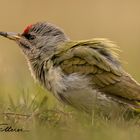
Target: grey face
41 37
38 38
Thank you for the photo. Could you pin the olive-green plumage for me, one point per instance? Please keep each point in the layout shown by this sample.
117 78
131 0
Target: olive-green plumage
89 57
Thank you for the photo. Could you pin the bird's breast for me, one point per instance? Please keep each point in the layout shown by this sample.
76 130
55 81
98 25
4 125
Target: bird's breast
73 89
76 90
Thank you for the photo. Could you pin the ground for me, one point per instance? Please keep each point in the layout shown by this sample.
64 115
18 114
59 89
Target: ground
37 116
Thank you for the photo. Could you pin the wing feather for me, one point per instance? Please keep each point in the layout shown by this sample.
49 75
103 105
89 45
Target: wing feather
95 57
98 60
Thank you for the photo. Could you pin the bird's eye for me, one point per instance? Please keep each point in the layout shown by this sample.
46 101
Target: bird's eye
29 36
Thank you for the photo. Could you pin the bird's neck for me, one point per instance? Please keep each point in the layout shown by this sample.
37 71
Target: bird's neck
38 60
37 70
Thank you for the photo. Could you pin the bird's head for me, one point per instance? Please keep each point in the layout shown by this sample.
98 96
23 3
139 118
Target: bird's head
38 39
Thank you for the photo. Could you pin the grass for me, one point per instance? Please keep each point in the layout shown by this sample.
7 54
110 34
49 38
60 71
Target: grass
33 109
53 121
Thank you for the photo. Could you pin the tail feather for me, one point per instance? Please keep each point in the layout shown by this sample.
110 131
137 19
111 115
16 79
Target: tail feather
136 107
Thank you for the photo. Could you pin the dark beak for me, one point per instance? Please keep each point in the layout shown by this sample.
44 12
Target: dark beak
10 35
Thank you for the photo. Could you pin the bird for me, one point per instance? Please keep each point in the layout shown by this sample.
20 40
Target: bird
85 74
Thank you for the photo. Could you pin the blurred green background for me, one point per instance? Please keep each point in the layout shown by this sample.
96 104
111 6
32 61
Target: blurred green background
116 20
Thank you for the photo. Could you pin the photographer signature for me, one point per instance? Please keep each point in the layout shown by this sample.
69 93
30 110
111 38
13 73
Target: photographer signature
4 127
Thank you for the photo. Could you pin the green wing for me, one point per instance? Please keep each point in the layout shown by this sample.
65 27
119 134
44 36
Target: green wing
95 58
